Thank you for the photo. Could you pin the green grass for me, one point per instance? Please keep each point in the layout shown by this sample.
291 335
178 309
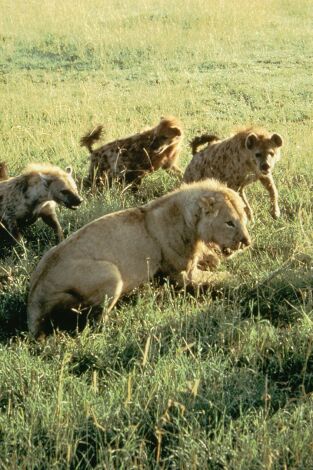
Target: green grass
219 380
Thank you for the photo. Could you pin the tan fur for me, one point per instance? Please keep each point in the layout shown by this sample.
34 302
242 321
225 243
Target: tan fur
34 169
131 158
209 257
248 156
120 251
34 194
4 175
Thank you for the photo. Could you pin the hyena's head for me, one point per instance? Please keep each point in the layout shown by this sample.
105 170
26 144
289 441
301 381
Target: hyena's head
61 187
264 151
223 220
167 133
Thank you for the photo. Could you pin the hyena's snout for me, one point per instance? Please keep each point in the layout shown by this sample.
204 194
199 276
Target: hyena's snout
265 167
71 200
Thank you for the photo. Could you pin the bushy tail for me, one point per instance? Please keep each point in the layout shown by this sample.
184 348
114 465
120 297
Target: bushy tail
91 137
202 139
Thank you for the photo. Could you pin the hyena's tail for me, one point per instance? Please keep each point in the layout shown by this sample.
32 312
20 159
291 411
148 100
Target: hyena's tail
91 137
201 140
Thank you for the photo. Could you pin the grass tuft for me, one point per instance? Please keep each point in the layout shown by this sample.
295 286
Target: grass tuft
221 379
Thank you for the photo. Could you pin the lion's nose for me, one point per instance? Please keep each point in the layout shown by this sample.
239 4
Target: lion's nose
246 241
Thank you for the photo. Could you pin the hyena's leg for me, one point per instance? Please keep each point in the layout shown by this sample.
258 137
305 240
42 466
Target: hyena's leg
174 169
268 183
170 165
133 179
248 209
14 231
97 178
49 216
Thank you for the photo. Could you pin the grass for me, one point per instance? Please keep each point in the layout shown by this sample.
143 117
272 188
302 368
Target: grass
173 380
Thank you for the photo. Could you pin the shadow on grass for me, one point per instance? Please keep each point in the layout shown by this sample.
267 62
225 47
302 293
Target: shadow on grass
266 379
13 319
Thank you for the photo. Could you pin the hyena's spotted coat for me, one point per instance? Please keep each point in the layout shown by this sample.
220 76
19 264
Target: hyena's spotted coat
131 158
34 194
246 157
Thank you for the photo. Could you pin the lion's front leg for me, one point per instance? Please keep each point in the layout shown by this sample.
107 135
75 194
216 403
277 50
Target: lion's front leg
207 258
198 278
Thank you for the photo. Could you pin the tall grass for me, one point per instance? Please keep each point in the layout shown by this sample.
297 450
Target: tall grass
172 380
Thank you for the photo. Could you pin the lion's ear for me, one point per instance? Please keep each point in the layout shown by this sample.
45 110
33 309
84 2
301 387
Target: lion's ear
69 170
277 140
208 203
251 141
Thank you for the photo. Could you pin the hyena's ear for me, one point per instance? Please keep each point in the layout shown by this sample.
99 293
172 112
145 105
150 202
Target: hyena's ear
277 140
69 170
208 203
251 141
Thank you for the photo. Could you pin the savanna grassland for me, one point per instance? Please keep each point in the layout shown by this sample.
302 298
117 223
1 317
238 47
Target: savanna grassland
172 379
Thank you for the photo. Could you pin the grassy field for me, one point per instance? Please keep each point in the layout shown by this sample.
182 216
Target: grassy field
172 380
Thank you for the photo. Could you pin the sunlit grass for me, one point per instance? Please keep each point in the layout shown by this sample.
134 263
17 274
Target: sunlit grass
172 380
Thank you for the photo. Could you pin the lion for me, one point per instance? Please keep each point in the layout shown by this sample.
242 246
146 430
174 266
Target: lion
131 158
34 194
248 156
120 251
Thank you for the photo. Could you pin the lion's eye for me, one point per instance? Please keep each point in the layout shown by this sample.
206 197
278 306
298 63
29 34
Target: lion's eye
230 223
258 155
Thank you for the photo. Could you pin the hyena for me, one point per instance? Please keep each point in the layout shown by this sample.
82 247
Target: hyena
246 157
130 159
33 194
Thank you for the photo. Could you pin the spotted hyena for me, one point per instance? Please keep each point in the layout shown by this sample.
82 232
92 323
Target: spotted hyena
131 158
34 194
244 158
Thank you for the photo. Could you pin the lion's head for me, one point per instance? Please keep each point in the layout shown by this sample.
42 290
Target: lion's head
223 220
